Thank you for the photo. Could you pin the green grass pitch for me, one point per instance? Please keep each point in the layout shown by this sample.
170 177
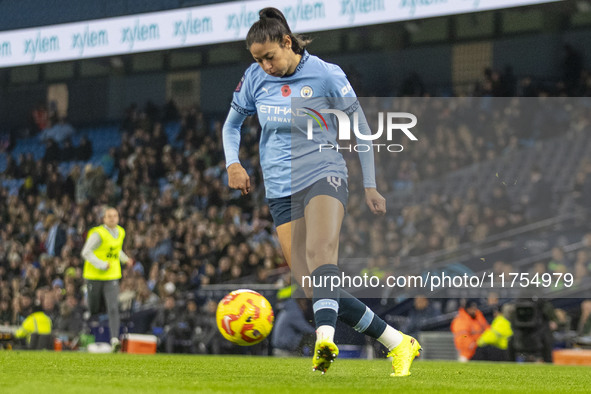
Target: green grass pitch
54 372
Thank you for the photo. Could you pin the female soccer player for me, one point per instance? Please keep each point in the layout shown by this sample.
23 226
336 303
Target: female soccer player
306 188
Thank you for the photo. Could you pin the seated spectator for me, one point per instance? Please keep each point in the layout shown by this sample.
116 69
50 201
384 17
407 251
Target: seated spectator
5 312
377 267
68 150
70 320
290 328
52 152
84 150
164 322
538 198
180 337
467 328
39 118
420 313
56 235
558 262
144 307
12 169
207 338
22 307
145 298
54 185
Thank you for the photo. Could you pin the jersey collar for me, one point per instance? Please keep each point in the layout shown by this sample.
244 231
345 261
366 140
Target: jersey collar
301 64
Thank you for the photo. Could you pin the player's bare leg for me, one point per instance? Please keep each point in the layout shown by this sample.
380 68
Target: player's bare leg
324 216
292 238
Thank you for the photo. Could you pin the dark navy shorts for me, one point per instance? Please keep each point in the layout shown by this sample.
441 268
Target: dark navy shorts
289 208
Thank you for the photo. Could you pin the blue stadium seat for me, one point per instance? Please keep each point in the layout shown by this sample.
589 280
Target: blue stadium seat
29 145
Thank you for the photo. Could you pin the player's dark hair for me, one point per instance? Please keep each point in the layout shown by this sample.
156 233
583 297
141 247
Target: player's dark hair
272 27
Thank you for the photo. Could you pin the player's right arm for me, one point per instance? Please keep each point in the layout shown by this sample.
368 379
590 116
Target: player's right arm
91 244
243 105
237 176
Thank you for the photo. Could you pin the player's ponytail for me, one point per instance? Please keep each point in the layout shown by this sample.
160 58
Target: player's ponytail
272 27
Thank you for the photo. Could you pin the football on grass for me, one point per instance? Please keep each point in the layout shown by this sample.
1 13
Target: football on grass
244 317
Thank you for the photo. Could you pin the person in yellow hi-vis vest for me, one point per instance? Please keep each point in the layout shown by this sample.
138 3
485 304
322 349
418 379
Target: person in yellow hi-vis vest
494 341
36 326
103 256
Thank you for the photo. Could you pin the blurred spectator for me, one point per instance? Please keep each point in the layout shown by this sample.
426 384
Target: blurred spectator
558 261
12 169
5 312
500 201
494 341
22 307
91 185
145 298
180 335
207 338
421 312
164 322
538 198
290 328
377 267
53 153
68 152
56 235
36 329
171 112
54 189
84 149
70 320
467 328
144 308
40 118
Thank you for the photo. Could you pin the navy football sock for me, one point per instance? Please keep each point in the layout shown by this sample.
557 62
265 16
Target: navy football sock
357 315
325 297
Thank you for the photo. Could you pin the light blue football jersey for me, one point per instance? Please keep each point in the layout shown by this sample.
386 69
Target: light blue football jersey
289 165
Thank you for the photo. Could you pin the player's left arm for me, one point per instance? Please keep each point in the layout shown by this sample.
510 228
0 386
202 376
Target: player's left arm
374 200
339 86
125 259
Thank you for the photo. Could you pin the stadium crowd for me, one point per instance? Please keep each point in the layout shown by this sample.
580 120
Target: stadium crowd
186 229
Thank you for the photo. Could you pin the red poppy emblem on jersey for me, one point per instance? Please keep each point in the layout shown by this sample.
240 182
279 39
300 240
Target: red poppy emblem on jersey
285 90
239 87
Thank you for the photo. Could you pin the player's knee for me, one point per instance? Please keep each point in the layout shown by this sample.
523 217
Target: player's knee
321 252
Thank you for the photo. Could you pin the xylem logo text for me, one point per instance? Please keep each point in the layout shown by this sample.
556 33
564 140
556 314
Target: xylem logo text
344 129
